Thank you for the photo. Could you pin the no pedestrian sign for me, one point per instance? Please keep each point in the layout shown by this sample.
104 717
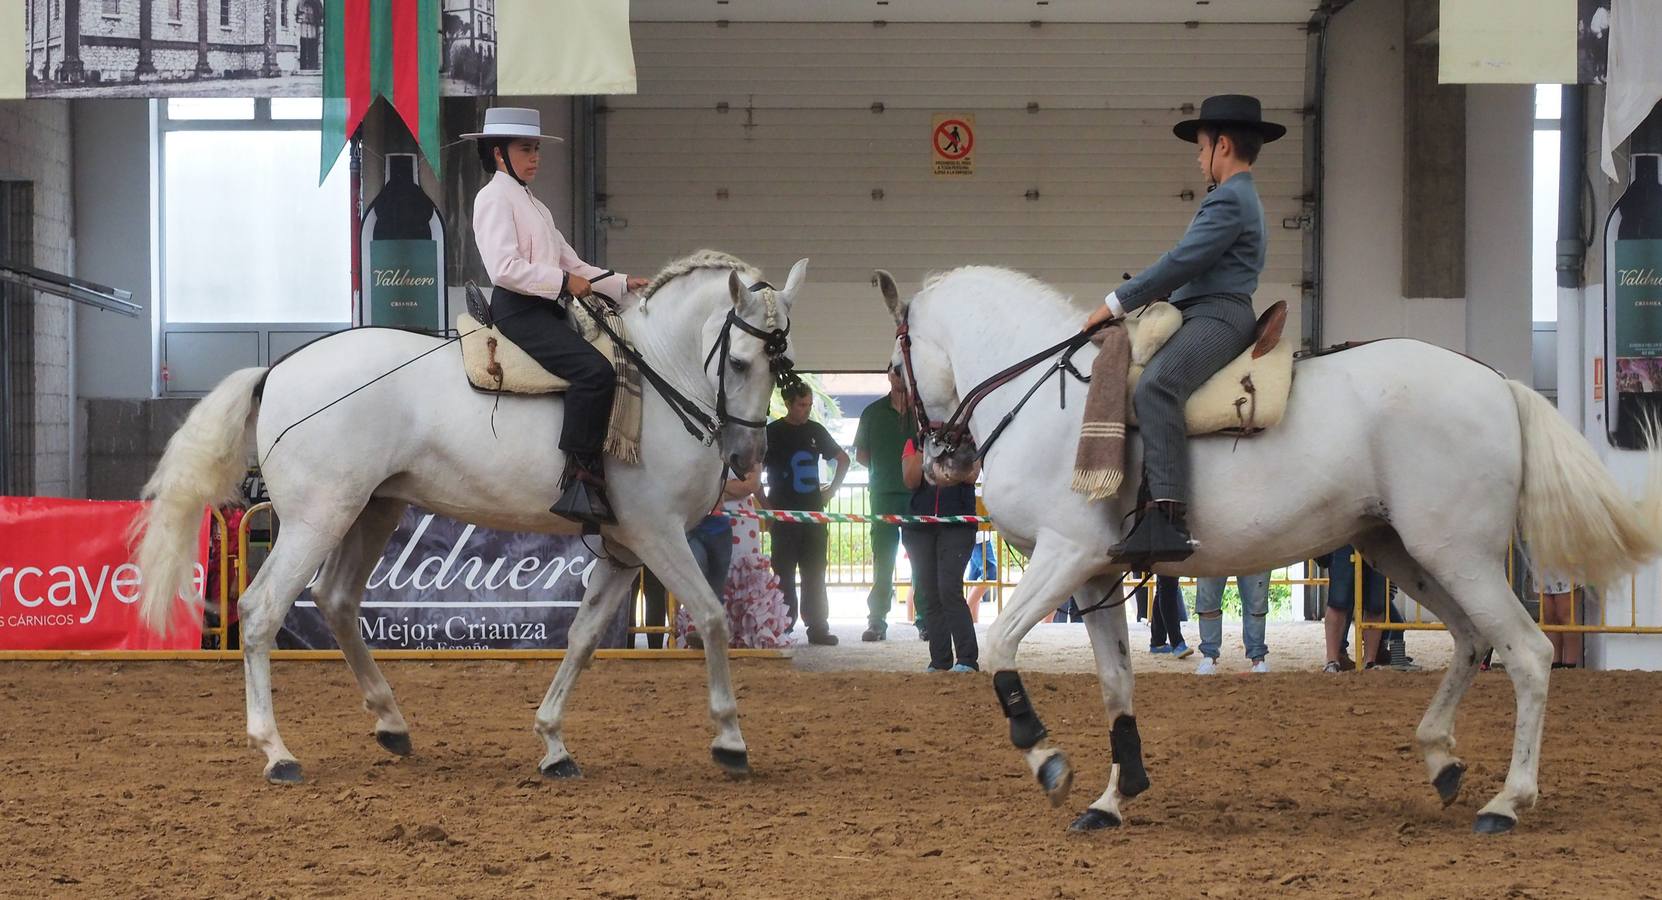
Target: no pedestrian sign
952 145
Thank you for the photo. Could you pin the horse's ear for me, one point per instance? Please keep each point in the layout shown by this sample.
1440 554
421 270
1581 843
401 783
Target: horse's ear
891 294
793 283
735 286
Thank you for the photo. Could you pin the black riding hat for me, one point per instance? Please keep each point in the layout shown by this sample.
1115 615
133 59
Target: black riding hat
1231 110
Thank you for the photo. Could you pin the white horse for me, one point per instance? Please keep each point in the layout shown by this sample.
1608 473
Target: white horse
339 480
1426 460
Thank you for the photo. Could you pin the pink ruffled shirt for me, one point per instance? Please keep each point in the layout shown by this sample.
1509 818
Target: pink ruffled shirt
522 250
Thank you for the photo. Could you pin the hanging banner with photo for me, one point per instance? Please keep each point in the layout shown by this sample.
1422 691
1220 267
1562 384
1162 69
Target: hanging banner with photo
446 585
278 48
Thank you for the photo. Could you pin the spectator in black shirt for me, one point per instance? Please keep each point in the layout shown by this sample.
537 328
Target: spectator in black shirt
795 448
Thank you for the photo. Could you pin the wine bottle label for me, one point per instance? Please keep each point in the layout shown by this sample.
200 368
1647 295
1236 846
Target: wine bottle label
405 290
1638 306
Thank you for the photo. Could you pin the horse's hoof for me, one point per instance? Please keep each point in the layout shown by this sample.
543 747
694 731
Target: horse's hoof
734 762
1094 820
284 772
1447 782
1056 777
1494 823
394 742
564 769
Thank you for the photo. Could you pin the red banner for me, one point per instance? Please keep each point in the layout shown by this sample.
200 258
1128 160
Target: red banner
68 580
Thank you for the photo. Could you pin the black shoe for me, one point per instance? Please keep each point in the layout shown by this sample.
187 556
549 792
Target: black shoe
923 632
872 635
583 494
1160 536
694 642
822 638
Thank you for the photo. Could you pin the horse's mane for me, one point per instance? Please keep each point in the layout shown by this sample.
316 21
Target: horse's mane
700 259
1037 297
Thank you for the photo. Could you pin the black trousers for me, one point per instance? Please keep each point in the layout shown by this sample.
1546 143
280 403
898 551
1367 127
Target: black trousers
802 546
939 554
539 326
1165 618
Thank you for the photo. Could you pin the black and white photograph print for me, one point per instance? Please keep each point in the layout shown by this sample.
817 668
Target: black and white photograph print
176 48
469 50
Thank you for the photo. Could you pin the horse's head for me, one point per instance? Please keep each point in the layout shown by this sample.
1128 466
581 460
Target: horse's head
750 353
949 458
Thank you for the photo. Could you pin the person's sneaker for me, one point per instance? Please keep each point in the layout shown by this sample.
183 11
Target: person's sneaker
1182 651
1261 667
1208 666
1332 667
1163 648
964 667
872 635
933 668
694 642
823 638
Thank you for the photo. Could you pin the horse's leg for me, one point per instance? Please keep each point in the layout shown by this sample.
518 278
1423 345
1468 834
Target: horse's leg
1436 732
1110 645
300 549
609 585
339 591
669 557
1056 569
1478 586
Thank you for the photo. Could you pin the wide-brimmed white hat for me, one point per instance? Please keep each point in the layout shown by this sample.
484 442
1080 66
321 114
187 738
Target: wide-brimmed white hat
513 122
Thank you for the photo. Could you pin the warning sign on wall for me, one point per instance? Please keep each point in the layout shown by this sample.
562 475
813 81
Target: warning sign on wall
952 145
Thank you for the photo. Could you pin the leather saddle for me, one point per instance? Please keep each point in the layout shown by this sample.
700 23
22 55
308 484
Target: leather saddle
497 365
1246 396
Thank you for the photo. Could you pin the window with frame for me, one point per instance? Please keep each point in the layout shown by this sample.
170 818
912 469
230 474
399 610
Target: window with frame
112 7
175 10
225 13
283 13
247 235
1544 227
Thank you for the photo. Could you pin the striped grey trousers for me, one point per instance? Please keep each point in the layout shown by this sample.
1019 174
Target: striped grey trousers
1215 330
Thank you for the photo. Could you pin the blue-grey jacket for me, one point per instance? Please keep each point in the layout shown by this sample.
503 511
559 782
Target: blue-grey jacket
1222 253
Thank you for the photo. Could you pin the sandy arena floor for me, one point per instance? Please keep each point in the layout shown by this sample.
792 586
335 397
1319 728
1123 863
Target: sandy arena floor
133 780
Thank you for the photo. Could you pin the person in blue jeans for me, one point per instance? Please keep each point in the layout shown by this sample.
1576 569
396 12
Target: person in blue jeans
1255 605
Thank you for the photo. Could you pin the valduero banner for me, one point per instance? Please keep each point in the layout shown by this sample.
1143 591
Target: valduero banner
68 580
446 585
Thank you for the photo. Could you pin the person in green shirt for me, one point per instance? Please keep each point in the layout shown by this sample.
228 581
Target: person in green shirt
885 426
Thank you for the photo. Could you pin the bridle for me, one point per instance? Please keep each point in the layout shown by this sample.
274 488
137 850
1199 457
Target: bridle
951 434
775 343
699 424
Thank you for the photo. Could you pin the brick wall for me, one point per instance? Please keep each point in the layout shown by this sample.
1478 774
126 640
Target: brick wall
35 147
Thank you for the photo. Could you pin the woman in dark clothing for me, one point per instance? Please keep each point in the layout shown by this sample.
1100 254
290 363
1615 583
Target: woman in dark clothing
939 554
1165 619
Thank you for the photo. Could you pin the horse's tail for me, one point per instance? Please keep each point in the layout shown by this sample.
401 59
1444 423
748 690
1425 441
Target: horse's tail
203 465
1576 520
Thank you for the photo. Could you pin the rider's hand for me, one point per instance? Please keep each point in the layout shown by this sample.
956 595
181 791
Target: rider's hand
578 286
1102 314
635 283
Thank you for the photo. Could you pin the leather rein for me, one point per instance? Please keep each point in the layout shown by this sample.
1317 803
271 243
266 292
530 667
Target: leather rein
950 435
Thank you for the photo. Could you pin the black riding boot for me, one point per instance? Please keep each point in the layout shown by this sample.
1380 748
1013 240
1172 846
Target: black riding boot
1160 536
583 493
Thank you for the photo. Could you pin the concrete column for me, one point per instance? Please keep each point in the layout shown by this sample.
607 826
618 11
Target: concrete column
269 69
146 65
74 72
202 67
1434 184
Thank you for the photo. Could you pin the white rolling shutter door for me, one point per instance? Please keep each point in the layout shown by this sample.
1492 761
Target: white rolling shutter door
1086 185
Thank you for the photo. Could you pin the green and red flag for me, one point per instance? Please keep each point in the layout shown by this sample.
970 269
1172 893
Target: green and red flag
380 48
